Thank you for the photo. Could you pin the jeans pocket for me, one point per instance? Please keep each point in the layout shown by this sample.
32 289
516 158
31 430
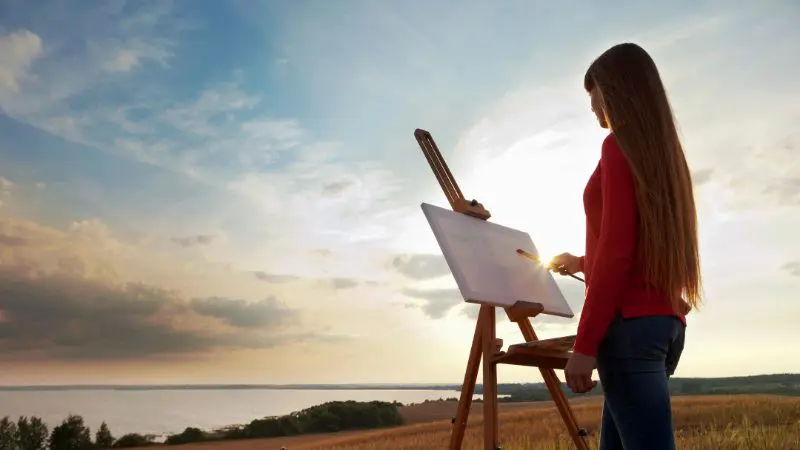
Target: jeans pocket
650 337
638 344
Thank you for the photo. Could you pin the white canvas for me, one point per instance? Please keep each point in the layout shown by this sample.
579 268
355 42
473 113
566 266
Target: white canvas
486 266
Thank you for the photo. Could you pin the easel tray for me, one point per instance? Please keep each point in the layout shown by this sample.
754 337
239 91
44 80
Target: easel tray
548 353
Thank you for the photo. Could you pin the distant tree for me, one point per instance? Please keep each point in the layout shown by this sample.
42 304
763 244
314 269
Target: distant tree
266 427
31 433
188 436
134 440
8 434
103 438
234 432
72 434
325 418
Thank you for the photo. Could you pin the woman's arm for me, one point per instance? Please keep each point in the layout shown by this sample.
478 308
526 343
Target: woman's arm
615 248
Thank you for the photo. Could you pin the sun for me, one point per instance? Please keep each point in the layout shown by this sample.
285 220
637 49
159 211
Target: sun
545 260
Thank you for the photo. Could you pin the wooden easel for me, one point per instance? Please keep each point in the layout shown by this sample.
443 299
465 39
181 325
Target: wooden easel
547 355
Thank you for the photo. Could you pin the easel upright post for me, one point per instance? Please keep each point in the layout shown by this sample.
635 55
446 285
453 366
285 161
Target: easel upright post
468 387
546 355
490 413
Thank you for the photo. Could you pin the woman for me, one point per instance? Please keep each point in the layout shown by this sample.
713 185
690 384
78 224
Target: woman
641 264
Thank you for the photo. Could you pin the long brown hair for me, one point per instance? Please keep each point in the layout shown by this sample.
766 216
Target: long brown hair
637 111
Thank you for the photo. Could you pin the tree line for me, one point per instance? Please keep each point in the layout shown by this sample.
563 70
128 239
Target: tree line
776 384
31 433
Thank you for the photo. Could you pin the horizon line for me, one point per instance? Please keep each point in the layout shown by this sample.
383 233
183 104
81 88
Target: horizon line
276 386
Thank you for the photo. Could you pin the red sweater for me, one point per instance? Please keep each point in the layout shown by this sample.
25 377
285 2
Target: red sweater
614 280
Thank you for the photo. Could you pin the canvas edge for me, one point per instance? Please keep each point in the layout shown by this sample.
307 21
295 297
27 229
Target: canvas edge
427 209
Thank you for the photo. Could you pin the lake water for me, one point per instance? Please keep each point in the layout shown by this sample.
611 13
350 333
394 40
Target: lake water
171 411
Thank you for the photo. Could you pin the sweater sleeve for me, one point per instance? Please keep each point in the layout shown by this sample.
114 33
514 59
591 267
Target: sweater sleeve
615 250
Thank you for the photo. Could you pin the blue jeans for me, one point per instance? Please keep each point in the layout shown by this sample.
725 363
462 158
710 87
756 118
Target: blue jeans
634 363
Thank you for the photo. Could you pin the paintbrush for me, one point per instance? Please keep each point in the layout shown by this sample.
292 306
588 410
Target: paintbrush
556 269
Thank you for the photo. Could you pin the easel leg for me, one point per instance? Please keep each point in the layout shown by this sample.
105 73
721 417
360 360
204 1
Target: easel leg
554 386
490 415
468 388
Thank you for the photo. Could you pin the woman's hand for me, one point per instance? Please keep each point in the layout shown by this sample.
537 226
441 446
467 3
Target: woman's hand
565 264
578 373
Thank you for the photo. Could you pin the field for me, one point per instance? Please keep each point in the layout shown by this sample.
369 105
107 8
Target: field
702 422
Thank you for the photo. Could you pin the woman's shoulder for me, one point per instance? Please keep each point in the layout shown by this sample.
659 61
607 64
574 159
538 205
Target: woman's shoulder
610 145
612 156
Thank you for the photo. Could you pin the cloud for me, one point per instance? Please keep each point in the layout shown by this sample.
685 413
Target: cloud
767 175
344 283
420 266
127 56
6 187
84 294
437 302
123 62
12 241
290 200
191 241
85 48
214 134
792 268
241 313
19 50
223 131
201 117
275 278
335 188
64 316
224 137
702 176
786 191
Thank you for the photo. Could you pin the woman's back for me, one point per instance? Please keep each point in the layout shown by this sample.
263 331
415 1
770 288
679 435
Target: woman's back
636 109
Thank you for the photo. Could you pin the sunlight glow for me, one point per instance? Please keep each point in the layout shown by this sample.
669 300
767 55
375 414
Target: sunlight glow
545 260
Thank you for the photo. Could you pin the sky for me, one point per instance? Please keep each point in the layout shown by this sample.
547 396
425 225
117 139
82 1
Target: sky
229 192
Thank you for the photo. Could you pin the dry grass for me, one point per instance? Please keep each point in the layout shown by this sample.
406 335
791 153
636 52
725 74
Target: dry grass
713 422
